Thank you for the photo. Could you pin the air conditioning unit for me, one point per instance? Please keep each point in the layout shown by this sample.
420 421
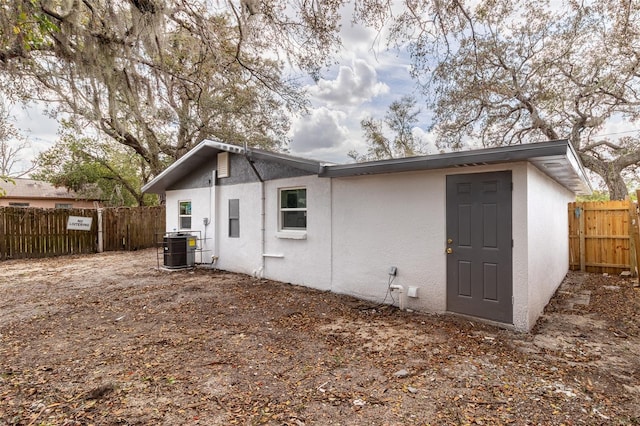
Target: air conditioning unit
179 250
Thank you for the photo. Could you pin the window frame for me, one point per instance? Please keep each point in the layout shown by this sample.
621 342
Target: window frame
282 229
184 216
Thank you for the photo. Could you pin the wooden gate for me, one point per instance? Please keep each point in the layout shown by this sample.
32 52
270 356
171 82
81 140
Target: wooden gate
132 228
602 236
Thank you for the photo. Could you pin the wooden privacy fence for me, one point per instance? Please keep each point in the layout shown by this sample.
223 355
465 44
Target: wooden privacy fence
32 232
128 228
603 236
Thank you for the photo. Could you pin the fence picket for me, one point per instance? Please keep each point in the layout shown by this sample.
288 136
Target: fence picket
33 232
599 236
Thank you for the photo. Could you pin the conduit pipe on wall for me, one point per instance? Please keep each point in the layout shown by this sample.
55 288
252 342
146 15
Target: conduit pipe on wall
260 272
402 299
207 220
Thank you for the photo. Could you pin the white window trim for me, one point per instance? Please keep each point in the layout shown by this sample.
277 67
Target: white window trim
180 216
292 235
288 233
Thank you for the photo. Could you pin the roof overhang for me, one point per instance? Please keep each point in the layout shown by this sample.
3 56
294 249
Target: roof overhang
187 163
557 159
206 150
295 162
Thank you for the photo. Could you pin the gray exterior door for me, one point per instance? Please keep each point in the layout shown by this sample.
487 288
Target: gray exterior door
479 245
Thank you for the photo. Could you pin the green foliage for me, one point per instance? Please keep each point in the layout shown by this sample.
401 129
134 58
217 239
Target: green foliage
159 77
95 169
33 27
596 195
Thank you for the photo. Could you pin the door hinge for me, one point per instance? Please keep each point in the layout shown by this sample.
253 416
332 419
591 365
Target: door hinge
512 186
511 243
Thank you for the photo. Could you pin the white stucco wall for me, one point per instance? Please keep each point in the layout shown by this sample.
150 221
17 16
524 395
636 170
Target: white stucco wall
358 227
400 220
242 254
390 220
300 261
548 240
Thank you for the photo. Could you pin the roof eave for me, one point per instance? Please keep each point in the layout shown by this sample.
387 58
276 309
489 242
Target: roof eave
186 163
296 162
197 156
536 153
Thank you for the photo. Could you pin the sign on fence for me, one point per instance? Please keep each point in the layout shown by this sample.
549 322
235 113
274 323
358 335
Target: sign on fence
33 232
79 223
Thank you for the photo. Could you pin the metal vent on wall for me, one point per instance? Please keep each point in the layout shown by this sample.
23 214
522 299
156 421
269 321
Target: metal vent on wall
223 164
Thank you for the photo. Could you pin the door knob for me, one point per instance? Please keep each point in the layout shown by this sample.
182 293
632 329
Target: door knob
449 250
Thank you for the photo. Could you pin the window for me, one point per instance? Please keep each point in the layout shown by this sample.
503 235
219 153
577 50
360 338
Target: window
64 205
293 209
234 218
184 215
19 204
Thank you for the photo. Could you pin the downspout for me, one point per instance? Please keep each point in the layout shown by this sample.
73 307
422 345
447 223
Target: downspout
260 272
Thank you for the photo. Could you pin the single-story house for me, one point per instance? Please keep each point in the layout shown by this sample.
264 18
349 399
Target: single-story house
22 192
480 233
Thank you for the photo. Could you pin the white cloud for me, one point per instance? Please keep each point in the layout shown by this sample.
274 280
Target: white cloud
322 129
352 86
38 129
428 140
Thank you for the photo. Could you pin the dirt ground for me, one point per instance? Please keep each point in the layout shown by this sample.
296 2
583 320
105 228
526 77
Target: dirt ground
108 339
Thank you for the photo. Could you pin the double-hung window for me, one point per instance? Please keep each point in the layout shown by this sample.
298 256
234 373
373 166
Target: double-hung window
184 214
293 209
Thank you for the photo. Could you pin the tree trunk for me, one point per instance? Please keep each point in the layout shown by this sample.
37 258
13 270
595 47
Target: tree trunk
610 172
616 186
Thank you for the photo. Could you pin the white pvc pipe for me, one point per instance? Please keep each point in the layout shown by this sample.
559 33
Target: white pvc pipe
402 298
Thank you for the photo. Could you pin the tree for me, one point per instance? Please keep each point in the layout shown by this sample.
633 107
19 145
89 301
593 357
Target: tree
399 120
521 71
159 76
12 148
94 168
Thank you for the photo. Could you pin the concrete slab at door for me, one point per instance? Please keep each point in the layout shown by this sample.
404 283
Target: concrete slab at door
479 245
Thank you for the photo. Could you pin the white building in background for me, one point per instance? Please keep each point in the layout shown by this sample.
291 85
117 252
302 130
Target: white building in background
480 233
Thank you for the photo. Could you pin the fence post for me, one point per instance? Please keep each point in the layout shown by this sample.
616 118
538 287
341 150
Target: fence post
100 236
634 231
3 234
581 232
633 238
